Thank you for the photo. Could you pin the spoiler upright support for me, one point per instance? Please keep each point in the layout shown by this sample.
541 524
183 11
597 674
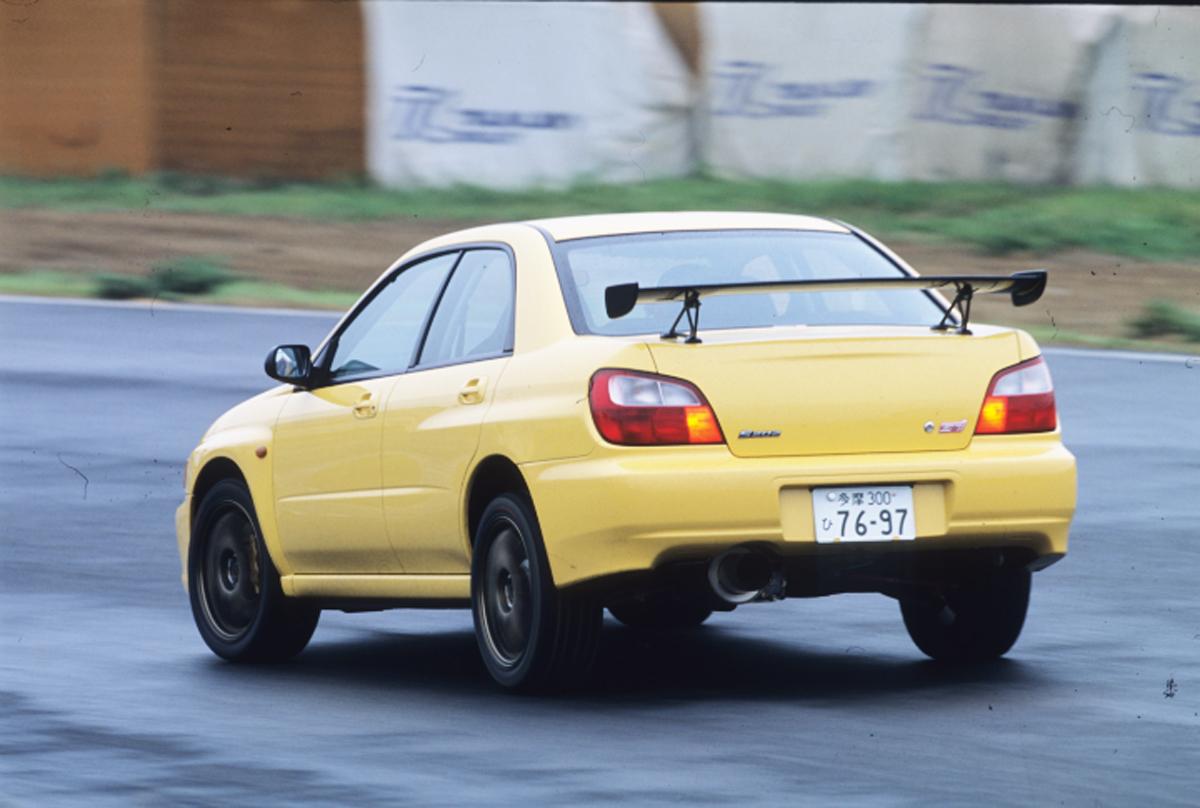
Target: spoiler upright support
691 308
962 302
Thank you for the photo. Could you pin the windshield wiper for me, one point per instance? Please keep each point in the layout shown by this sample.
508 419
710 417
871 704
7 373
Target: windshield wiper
1024 288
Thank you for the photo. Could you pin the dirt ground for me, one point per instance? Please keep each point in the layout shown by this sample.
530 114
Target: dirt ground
1088 293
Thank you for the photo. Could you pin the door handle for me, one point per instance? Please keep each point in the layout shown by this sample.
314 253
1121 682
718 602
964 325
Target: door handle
472 391
365 408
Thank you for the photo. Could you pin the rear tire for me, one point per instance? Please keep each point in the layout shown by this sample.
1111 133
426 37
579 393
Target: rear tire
237 603
531 635
660 612
975 622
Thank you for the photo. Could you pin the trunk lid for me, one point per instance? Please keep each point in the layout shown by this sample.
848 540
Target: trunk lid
832 390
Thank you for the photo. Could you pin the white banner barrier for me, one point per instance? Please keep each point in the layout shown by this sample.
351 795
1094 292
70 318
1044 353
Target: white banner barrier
531 94
897 92
514 95
1143 126
998 91
806 91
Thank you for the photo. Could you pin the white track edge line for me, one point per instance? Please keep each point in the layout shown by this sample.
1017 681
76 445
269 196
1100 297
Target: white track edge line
1126 356
167 306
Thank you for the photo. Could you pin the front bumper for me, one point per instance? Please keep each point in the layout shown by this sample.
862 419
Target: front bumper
183 535
624 509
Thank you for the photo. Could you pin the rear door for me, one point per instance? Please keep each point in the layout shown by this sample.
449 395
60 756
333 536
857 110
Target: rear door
328 440
434 413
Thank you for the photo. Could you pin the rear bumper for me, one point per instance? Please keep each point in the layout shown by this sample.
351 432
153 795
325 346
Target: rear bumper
622 510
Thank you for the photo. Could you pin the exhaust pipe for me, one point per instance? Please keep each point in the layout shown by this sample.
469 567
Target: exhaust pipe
740 575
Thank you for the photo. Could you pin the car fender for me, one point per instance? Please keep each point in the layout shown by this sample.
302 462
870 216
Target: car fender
249 449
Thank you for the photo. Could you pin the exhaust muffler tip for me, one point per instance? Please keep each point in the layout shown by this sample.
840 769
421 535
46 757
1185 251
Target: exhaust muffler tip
740 575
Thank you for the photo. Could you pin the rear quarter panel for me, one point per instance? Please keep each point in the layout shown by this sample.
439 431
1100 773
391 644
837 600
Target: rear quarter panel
540 410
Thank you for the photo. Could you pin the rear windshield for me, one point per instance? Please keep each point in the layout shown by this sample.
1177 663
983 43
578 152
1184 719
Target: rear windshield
586 267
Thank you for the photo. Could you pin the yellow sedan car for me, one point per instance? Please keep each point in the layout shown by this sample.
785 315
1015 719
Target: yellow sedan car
661 414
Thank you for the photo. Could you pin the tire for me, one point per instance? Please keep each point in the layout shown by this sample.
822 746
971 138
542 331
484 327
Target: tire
531 635
660 612
976 622
238 606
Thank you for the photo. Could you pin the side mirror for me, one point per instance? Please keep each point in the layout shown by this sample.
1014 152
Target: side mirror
291 364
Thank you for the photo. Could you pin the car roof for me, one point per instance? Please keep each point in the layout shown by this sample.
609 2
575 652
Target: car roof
613 224
566 228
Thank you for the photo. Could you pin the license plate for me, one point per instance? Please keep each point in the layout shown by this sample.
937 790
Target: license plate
864 513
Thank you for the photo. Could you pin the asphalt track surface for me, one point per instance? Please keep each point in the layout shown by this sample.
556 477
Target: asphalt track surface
108 696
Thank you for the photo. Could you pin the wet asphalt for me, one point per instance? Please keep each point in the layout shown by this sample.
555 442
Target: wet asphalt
108 696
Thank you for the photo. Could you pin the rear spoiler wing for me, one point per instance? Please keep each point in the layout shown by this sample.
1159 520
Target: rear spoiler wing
1024 287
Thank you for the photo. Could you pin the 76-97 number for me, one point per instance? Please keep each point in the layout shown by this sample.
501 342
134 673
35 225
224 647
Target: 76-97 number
887 520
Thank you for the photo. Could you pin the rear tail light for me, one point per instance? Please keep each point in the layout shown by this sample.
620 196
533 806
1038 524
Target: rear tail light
1019 399
642 409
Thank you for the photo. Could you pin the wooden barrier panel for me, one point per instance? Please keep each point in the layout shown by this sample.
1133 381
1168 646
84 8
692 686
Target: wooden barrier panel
76 95
267 88
270 88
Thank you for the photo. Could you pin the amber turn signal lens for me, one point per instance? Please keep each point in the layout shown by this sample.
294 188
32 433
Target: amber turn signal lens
702 426
631 408
1019 399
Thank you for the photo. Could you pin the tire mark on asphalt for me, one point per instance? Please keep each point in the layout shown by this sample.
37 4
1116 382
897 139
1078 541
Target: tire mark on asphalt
168 767
86 481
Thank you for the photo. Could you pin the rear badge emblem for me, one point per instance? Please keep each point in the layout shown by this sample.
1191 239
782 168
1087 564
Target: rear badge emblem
759 433
929 426
948 427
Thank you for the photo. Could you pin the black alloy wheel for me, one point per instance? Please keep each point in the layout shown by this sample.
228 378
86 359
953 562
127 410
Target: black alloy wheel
507 609
531 635
231 575
237 603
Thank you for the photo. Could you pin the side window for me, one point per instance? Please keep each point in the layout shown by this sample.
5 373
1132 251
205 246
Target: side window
474 318
381 339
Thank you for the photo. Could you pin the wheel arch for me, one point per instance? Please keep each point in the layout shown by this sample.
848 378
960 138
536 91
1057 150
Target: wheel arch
494 475
214 471
238 463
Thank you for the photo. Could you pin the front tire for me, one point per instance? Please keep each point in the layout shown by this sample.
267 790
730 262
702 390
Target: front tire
237 603
531 635
975 622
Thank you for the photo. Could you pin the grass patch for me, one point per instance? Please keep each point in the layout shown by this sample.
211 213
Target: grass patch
48 283
1162 318
1150 224
176 279
122 287
193 279
190 275
1048 336
258 293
